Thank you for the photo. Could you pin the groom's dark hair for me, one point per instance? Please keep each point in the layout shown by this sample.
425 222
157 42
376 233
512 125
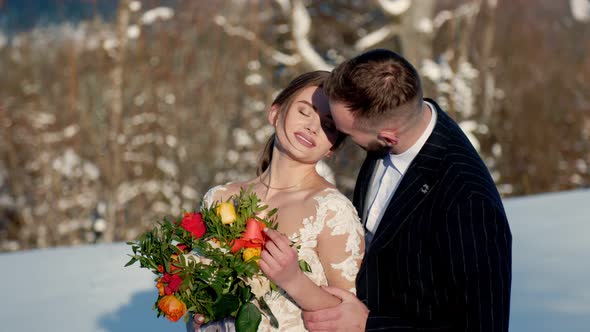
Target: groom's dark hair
375 85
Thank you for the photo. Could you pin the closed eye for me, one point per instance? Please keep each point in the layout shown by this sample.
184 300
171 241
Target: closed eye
304 111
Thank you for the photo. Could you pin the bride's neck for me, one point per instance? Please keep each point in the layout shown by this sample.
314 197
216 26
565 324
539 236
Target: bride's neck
284 172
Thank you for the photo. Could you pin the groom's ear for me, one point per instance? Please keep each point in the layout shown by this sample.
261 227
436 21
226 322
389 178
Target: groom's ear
273 114
388 137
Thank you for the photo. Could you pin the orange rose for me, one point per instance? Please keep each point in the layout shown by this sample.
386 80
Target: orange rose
253 236
174 259
160 287
254 233
172 307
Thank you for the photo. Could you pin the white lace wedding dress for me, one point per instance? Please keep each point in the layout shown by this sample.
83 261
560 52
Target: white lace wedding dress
335 220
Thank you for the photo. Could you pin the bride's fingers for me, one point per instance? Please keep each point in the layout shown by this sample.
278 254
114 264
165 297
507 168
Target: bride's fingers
273 250
198 321
264 267
284 256
278 238
268 260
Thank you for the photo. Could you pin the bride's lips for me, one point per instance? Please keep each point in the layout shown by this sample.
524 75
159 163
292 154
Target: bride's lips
304 139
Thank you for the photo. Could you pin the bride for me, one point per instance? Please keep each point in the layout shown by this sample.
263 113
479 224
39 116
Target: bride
311 212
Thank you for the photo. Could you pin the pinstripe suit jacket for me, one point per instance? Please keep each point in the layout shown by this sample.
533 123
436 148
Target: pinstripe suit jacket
440 259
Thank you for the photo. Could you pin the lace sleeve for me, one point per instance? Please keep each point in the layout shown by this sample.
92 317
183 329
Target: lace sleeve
341 242
212 195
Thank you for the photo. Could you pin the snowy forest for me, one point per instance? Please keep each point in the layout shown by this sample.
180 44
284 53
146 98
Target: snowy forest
114 114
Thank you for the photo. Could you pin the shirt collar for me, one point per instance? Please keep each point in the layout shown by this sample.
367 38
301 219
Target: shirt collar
403 160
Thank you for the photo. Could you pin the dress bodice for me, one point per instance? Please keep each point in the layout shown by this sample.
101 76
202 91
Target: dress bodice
335 220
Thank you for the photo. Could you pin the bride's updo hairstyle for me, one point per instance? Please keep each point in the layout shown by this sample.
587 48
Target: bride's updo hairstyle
284 100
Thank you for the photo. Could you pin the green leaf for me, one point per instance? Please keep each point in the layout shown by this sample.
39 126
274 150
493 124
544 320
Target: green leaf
272 212
225 305
266 309
248 318
131 261
304 266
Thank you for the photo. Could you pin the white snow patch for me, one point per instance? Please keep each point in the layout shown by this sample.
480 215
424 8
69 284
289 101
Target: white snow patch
548 264
135 6
424 25
242 138
167 166
580 10
133 31
158 13
253 79
395 7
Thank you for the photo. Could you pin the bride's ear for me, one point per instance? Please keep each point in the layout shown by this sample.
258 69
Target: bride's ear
273 113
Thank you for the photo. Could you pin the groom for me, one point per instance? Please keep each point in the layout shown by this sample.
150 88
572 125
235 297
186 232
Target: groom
438 244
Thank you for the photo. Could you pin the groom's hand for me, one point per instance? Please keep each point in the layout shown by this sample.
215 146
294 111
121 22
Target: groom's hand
350 315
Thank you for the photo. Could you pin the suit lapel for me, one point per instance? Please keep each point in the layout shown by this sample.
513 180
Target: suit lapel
411 192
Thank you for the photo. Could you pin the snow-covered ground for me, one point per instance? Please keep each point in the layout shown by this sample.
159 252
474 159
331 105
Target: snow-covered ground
87 289
551 262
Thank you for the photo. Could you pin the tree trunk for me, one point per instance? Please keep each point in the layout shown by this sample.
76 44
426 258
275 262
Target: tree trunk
416 43
116 105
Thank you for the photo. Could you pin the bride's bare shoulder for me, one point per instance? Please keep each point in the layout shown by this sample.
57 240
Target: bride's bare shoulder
323 191
222 192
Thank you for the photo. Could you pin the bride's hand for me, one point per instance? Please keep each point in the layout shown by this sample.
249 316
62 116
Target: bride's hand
279 260
198 320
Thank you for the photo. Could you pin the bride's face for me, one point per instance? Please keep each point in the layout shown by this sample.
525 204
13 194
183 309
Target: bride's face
305 130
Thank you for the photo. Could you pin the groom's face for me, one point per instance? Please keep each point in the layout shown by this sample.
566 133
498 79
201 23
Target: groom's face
344 121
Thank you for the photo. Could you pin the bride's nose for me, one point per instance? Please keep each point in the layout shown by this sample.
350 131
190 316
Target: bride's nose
313 126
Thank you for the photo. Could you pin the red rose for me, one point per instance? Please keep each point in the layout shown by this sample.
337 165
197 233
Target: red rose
237 244
183 247
193 222
173 281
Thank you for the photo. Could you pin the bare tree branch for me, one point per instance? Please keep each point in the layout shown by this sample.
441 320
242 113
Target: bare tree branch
465 10
238 31
394 7
300 26
376 37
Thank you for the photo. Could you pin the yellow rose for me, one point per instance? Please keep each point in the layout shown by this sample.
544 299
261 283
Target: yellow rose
227 213
250 253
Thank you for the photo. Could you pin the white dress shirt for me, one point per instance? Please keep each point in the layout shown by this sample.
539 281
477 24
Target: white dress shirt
388 173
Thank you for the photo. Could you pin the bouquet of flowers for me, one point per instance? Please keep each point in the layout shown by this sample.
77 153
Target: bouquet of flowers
206 262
